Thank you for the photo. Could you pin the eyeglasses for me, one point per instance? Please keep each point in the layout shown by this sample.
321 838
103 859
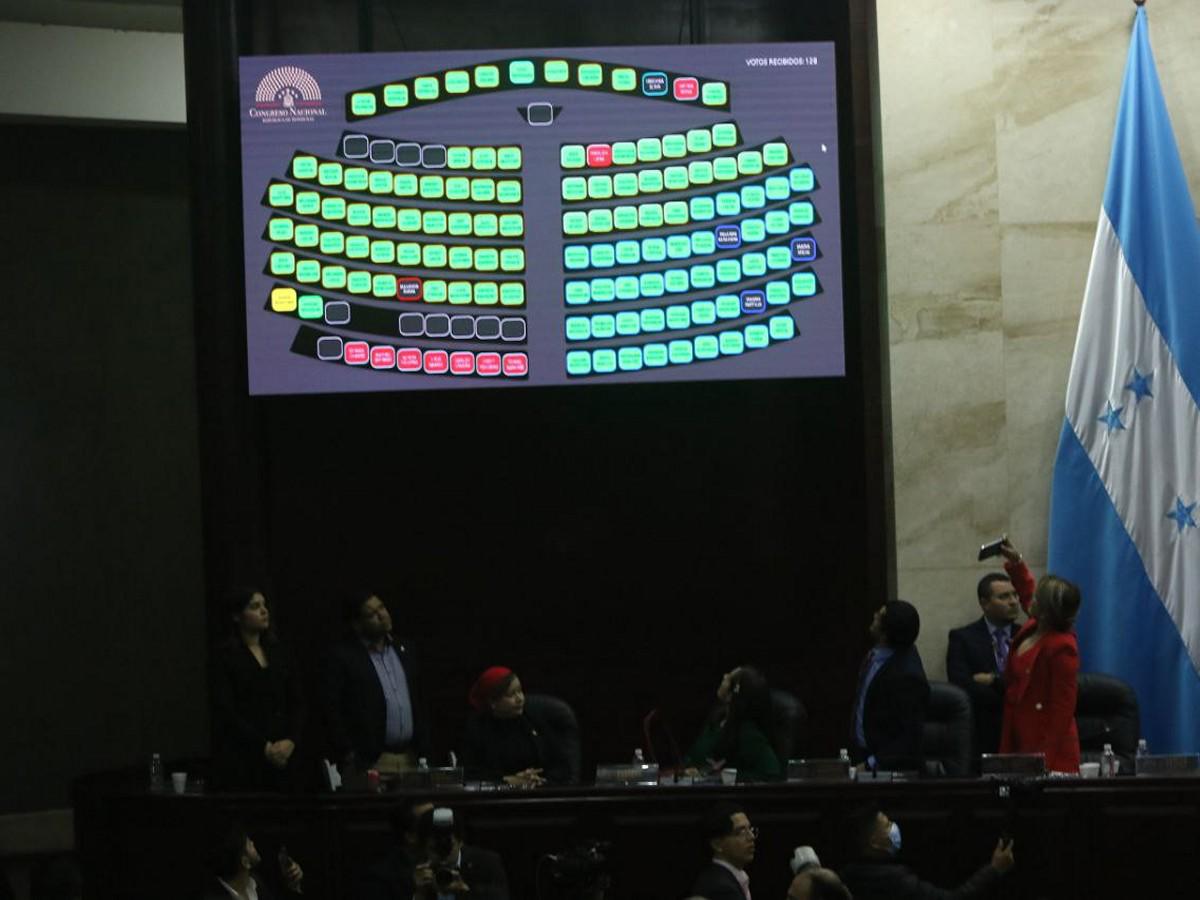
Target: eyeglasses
745 831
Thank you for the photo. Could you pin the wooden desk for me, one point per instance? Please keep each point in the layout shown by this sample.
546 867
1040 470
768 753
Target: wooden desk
1120 838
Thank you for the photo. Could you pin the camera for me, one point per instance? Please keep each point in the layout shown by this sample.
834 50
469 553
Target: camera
444 877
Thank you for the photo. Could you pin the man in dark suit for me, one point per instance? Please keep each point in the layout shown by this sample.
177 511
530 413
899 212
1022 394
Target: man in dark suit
391 876
730 838
371 694
877 873
451 867
977 653
893 693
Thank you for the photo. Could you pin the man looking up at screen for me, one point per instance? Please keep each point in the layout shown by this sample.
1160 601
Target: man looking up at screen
370 694
889 709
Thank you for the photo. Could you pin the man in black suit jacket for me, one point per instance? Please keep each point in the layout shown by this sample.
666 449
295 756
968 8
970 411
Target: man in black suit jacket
371 694
976 654
473 871
391 876
893 693
877 873
730 838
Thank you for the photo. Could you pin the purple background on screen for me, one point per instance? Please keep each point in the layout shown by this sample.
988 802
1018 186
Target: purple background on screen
797 103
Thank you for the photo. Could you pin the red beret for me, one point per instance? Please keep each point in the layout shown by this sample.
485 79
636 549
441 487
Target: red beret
485 686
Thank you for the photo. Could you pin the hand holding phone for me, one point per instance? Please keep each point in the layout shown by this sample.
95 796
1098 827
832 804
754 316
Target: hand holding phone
993 549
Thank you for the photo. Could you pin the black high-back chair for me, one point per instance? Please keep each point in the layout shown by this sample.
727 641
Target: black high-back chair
788 717
559 720
948 731
1106 712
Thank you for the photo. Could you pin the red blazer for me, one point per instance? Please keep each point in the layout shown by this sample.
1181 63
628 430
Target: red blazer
1040 688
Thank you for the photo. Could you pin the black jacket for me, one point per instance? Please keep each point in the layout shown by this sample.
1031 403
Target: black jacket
891 880
493 748
717 883
483 871
968 652
354 706
252 706
894 711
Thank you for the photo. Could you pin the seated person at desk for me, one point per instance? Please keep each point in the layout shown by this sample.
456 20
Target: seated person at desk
893 693
504 742
976 656
370 694
257 699
735 735
877 875
234 863
451 868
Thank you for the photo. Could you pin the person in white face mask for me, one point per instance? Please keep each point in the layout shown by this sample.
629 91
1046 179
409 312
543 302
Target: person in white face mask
878 874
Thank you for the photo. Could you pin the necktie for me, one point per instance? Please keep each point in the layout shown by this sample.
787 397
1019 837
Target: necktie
1002 642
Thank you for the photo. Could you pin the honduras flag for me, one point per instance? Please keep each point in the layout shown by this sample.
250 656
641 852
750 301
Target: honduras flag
1125 507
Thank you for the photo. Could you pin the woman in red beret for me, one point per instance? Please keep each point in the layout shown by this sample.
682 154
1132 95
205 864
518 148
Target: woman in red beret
503 741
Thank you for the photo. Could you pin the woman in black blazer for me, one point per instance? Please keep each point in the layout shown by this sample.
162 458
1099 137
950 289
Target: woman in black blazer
504 742
258 703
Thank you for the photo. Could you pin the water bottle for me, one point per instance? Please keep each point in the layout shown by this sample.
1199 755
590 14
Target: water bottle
1108 762
844 756
1142 751
422 764
638 759
157 779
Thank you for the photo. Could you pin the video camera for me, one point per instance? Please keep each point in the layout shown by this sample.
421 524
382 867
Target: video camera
584 871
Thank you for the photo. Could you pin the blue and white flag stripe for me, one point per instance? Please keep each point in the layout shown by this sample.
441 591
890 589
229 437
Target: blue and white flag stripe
1126 493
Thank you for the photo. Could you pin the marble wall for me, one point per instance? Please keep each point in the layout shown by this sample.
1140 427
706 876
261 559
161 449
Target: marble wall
997 120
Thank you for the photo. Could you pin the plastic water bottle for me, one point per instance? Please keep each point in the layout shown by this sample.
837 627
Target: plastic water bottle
1142 751
1108 762
157 778
422 764
639 759
844 756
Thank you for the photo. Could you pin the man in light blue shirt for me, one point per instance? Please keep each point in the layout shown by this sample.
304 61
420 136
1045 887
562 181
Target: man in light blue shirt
370 694
892 694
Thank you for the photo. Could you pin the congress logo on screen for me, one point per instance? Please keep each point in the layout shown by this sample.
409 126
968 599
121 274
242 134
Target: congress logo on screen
287 94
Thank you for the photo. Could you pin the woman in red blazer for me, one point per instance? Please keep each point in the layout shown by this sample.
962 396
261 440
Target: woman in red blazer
1042 668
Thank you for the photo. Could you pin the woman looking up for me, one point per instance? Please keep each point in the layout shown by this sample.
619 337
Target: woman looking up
257 698
1042 670
735 736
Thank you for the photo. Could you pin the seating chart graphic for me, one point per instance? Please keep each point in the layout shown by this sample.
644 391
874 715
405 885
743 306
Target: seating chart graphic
419 221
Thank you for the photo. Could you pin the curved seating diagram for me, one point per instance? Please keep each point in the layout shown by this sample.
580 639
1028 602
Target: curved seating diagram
498 253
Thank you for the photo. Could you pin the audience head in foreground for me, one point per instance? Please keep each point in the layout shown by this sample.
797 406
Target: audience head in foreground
879 875
729 840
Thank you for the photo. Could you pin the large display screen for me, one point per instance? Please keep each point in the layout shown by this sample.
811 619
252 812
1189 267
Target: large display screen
541 217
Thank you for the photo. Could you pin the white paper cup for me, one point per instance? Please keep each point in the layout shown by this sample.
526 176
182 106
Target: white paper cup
729 776
1089 769
179 781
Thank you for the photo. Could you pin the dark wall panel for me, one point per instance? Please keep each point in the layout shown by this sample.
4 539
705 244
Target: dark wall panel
101 583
